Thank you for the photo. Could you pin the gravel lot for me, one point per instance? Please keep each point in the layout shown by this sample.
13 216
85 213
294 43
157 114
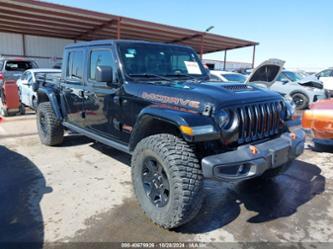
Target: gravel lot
82 191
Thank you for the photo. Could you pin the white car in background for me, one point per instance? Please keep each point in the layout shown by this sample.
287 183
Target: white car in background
27 96
224 76
302 90
326 76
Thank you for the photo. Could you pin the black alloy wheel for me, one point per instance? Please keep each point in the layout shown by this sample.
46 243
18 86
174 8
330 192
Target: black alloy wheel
155 182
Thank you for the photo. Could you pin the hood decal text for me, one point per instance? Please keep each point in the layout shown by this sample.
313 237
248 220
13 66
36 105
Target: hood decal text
171 100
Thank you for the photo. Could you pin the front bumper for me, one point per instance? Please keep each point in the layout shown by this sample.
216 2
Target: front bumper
243 164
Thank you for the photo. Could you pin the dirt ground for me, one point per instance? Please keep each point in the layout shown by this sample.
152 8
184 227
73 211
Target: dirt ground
82 192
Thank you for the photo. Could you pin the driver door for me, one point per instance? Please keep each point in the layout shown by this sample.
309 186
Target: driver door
102 107
73 86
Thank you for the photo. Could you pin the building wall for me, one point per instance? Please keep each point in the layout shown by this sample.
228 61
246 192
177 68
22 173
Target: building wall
46 51
230 65
11 44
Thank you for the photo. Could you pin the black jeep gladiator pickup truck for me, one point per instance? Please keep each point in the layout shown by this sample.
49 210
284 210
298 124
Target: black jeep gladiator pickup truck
155 102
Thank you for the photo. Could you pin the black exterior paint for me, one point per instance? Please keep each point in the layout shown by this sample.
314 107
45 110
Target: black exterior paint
105 109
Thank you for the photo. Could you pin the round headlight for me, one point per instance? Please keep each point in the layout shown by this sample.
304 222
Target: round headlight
223 119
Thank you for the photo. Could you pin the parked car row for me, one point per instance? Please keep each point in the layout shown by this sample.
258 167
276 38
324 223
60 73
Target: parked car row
302 88
226 76
11 69
25 83
17 75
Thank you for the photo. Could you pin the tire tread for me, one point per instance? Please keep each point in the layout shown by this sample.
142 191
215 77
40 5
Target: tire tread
55 134
185 171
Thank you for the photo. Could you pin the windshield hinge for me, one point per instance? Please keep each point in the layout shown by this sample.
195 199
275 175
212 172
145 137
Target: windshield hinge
207 111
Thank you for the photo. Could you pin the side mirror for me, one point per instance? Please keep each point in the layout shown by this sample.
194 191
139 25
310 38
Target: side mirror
104 74
25 82
284 81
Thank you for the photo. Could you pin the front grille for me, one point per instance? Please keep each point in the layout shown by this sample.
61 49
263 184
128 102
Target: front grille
258 121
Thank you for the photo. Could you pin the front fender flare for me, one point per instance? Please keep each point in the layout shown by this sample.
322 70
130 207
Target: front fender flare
177 117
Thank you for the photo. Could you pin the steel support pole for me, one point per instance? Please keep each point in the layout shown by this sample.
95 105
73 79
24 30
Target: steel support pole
201 46
118 28
225 60
24 50
253 55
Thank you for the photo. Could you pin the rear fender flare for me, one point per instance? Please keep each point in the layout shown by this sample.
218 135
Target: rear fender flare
51 96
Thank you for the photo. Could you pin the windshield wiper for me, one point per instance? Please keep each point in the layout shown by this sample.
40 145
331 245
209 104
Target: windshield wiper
149 75
199 79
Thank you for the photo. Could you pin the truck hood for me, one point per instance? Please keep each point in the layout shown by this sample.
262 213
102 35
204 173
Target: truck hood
266 73
197 96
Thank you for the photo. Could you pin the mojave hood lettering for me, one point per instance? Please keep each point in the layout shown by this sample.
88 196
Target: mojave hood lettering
171 100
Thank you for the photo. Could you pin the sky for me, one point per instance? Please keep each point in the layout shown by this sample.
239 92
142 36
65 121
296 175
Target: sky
297 31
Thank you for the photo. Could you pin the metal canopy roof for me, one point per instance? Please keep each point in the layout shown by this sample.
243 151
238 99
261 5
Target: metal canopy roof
53 20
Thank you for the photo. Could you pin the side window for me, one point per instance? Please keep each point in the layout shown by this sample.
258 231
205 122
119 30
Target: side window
24 76
282 77
100 57
212 77
75 63
1 65
29 77
326 73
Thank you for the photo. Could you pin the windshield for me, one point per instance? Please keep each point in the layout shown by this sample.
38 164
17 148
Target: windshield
293 76
234 77
151 60
19 65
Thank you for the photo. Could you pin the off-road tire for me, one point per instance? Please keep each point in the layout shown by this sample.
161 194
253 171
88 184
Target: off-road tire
34 104
22 109
184 174
53 132
323 145
305 99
